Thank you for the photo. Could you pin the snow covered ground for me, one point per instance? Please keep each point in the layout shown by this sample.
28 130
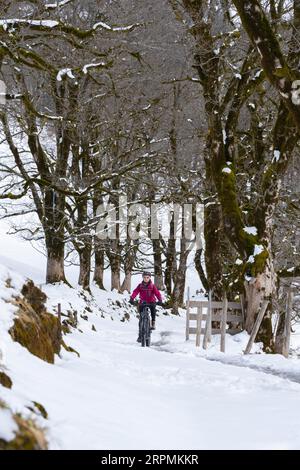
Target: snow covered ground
118 395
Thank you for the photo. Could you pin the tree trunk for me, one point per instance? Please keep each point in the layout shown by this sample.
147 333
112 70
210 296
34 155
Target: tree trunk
126 284
279 340
115 264
55 261
53 225
129 260
179 286
213 241
84 246
115 277
114 247
99 266
200 270
170 259
262 286
99 246
170 264
158 271
85 267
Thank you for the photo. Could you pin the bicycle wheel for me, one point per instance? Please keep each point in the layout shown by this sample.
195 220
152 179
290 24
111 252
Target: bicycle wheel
143 333
148 332
145 327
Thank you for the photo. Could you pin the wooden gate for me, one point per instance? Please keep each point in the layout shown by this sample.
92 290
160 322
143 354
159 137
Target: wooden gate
210 311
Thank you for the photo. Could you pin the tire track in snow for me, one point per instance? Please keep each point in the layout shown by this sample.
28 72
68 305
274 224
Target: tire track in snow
161 345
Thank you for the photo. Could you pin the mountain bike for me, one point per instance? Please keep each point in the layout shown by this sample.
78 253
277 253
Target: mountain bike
145 324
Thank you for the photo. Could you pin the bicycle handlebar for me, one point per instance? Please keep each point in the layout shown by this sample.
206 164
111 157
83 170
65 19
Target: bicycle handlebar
136 302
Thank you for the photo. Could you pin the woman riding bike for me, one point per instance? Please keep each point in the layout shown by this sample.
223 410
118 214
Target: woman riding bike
148 293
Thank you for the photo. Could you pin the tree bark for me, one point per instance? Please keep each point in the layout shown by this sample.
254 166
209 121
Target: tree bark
170 259
84 245
279 339
200 270
180 279
115 264
263 285
99 246
179 286
55 260
115 278
158 271
126 284
99 266
53 226
85 267
213 256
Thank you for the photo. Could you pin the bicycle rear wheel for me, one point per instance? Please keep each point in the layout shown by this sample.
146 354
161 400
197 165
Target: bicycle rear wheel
145 330
148 333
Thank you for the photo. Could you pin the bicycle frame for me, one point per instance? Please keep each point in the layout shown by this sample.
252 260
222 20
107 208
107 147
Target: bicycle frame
144 325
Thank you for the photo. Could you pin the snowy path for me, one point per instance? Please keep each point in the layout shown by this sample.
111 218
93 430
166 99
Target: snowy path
119 395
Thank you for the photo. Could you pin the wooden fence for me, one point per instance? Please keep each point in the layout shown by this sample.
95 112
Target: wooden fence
231 313
224 313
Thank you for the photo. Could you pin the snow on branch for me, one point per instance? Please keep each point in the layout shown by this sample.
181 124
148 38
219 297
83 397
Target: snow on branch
12 22
289 272
10 25
100 24
63 72
58 4
89 66
67 72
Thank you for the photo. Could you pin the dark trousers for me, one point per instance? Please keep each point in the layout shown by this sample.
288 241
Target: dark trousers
153 310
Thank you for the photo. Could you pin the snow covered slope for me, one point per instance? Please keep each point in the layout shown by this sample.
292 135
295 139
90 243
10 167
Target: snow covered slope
117 395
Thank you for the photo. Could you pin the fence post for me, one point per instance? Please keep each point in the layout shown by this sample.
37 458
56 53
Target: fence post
242 300
256 326
224 322
187 327
199 325
209 316
207 333
287 323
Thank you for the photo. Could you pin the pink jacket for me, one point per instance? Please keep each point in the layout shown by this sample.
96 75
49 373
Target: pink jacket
148 292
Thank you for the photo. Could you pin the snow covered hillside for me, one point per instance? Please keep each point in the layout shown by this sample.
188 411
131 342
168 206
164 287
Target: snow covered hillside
119 395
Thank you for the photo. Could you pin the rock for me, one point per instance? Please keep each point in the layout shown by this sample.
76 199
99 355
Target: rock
126 317
35 328
34 296
38 407
72 318
5 380
28 435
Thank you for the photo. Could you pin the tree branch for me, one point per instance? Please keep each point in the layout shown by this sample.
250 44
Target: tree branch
276 68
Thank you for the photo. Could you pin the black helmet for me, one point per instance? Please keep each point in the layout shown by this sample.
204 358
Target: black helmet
146 273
